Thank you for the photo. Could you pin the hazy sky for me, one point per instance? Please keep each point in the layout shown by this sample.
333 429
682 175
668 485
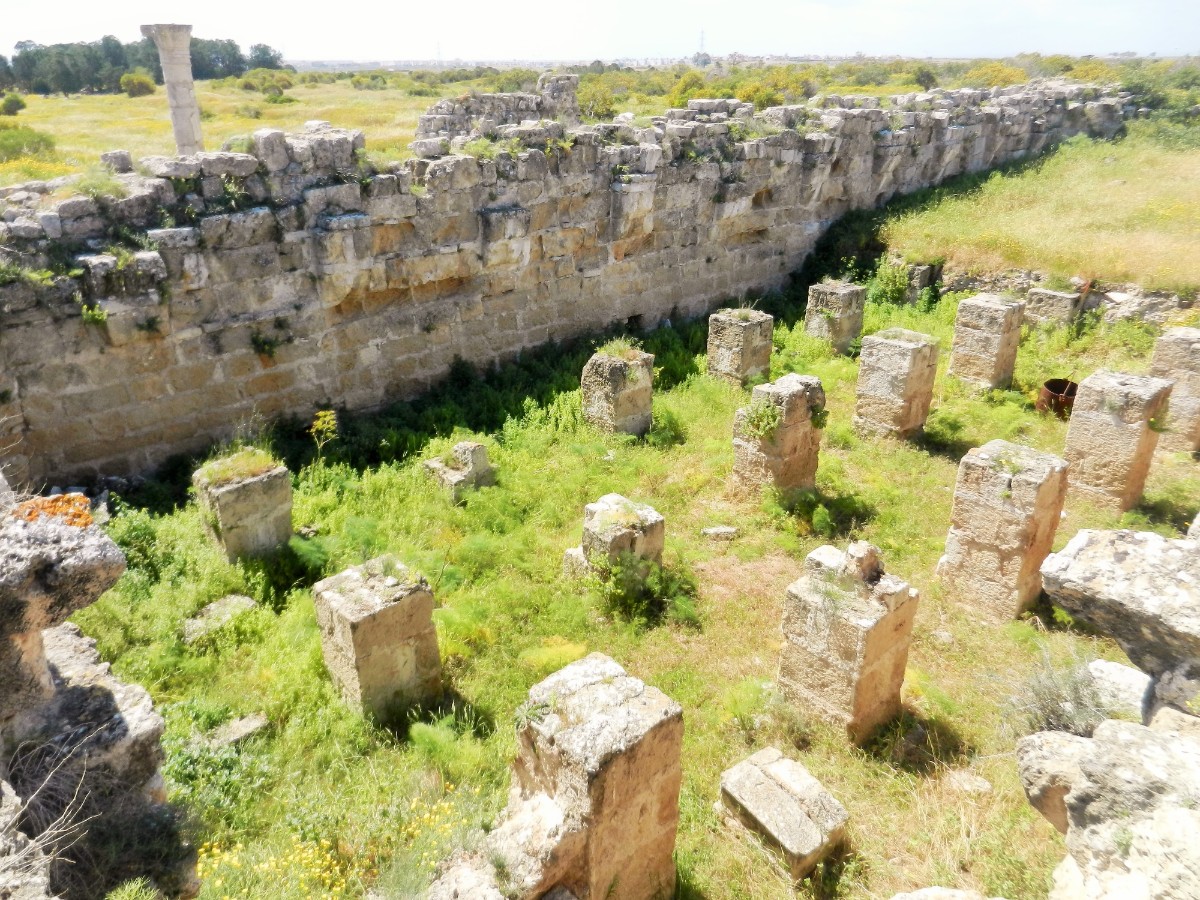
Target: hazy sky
495 29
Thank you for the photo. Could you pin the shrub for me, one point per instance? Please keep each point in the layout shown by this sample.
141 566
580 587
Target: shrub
11 104
889 284
644 592
17 140
762 418
1057 698
138 83
596 101
100 183
667 430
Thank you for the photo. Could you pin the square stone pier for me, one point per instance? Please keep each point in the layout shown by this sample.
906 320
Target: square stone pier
249 516
987 333
1113 434
614 526
895 383
1042 305
467 469
1177 357
846 632
1007 504
618 392
378 637
777 438
835 312
739 344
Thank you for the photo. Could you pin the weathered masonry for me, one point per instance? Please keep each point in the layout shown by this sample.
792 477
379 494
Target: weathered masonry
293 276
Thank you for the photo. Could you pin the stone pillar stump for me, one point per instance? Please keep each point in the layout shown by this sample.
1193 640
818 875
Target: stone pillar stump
739 344
618 392
895 383
835 312
987 333
777 438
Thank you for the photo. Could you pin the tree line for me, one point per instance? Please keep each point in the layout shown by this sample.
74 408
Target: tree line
97 66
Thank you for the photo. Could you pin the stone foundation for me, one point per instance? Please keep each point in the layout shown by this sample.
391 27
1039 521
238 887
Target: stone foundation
846 632
896 372
1061 307
776 799
469 469
618 392
777 439
739 344
835 313
1177 358
987 333
1007 504
378 638
1113 434
594 804
250 516
613 527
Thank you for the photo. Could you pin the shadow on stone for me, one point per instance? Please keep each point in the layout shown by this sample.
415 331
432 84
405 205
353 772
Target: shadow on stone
919 744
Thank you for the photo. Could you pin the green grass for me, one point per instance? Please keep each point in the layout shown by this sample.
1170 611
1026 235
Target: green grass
246 462
327 798
1119 211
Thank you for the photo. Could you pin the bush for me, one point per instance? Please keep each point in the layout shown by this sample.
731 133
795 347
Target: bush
645 592
137 83
17 140
1056 698
11 105
889 284
596 101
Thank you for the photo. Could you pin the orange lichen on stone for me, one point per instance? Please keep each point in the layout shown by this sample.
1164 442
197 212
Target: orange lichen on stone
74 509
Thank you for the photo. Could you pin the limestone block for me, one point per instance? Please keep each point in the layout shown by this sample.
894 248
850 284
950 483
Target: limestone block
1048 763
895 382
1194 531
618 392
1008 501
119 162
1113 435
613 526
1042 305
1140 588
48 570
777 799
739 344
378 638
607 748
847 627
987 333
467 469
777 439
1177 357
215 616
249 516
1122 689
835 312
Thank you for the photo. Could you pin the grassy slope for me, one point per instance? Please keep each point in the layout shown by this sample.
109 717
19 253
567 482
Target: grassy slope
507 618
1123 211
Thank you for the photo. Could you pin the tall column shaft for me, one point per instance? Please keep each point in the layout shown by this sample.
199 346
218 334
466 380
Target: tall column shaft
174 51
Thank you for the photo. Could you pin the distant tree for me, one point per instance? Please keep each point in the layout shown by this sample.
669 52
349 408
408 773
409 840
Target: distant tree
137 83
63 78
263 57
924 75
690 84
7 79
596 101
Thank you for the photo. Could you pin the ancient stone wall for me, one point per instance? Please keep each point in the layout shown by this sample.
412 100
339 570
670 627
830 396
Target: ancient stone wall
292 277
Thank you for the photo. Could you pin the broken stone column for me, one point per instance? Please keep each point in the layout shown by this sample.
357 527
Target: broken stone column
987 333
835 312
739 344
468 468
1007 503
378 637
618 391
896 372
846 631
1061 307
248 514
777 438
776 799
614 526
174 43
1113 433
1177 358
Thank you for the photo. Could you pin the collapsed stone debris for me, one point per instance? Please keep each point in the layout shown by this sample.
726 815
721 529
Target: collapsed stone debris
363 290
615 527
835 313
466 468
847 627
777 799
896 372
248 515
1113 434
618 391
1007 504
1177 358
777 438
594 804
378 637
987 333
739 344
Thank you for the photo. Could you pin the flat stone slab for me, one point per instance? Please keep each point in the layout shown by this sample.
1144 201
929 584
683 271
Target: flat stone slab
236 731
1140 588
215 616
720 533
777 799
